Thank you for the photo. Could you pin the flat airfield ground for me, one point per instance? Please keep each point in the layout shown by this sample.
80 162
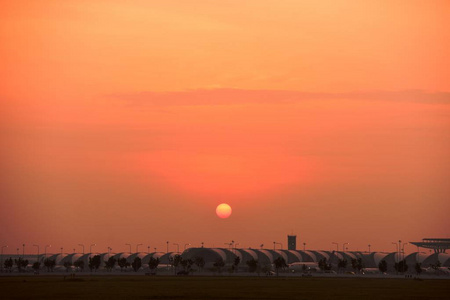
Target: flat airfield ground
196 287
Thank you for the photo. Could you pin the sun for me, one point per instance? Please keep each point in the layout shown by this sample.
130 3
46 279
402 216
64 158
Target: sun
223 210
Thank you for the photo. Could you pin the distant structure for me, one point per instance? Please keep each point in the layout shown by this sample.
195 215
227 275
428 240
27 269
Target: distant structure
438 245
292 242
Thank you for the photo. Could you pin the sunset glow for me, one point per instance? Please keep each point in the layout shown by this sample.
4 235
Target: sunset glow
136 118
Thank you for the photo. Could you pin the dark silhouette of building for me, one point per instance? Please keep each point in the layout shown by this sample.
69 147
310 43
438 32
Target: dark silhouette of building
292 242
438 245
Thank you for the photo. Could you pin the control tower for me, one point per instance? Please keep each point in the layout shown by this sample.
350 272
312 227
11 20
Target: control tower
292 242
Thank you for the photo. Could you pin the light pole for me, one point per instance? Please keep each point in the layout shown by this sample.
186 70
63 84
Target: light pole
128 245
148 249
61 251
369 247
235 246
396 245
178 247
343 247
45 250
398 259
6 246
137 247
90 249
23 251
400 253
81 246
167 247
304 246
337 246
185 245
37 252
202 244
17 250
403 250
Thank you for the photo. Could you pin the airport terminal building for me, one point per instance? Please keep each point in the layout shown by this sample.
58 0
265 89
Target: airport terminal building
296 259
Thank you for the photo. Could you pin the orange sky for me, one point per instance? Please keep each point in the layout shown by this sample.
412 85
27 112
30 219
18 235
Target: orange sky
130 121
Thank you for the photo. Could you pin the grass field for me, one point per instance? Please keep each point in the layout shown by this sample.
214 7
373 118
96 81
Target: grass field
165 287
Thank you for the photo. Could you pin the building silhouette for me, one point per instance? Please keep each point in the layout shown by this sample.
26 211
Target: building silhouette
438 245
292 242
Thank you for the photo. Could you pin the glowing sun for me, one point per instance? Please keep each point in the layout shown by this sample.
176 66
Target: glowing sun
223 210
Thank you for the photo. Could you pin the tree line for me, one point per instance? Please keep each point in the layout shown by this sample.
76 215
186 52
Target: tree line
186 265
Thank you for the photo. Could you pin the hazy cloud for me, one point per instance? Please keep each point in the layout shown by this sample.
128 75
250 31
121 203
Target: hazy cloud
239 96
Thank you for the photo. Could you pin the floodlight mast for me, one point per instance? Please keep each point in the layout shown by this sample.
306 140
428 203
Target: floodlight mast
337 246
37 251
343 246
45 250
90 249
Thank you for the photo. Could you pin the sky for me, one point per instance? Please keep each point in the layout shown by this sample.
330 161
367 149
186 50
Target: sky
128 122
